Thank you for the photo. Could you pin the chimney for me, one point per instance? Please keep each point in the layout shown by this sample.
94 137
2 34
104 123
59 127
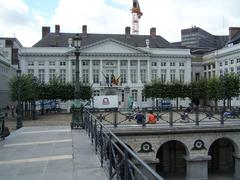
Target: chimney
57 28
84 30
233 31
45 31
153 33
127 31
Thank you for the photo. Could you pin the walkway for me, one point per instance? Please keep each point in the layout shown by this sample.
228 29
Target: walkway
43 153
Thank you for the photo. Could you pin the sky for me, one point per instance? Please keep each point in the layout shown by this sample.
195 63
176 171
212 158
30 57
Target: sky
24 19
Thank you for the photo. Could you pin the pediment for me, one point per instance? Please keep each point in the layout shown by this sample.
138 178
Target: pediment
110 46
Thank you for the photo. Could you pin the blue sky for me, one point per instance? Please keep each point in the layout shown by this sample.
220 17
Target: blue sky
25 18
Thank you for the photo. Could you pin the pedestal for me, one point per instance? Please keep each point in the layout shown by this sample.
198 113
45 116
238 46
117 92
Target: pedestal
197 167
237 167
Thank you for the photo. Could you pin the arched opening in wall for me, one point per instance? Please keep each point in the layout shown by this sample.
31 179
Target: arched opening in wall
222 160
172 161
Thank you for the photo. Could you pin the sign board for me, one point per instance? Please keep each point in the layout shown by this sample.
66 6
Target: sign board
103 102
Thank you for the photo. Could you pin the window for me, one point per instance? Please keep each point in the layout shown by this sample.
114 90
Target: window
123 63
172 75
154 64
154 75
96 93
123 74
181 64
226 62
226 70
62 63
134 95
172 63
232 61
144 99
213 66
181 75
85 75
31 63
133 63
122 96
220 64
134 75
238 60
51 63
73 62
163 63
41 75
238 69
31 72
85 63
163 75
40 63
52 73
63 75
96 62
205 67
221 72
143 75
143 63
209 66
95 76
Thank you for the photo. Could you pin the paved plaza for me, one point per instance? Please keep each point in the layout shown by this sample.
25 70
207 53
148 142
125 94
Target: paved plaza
49 152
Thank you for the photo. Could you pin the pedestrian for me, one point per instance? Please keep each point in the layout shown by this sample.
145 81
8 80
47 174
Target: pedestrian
140 117
12 110
152 118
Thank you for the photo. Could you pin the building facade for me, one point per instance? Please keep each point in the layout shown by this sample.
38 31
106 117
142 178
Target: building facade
132 59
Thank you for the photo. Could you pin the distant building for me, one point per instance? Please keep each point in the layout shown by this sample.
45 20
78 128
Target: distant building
8 62
197 37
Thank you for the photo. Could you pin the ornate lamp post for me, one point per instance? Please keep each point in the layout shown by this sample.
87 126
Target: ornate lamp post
77 109
34 79
127 90
19 107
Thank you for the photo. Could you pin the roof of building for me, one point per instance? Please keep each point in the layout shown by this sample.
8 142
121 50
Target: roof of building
12 39
235 39
61 40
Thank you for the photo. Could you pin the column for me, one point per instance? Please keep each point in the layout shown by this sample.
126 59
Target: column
90 71
138 72
237 166
101 73
148 70
128 72
69 77
118 68
197 167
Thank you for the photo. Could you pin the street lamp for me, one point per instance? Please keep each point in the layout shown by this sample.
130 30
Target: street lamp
77 107
19 108
77 44
34 79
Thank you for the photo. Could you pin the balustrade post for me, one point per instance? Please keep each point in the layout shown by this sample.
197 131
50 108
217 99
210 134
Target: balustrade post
92 129
197 117
126 167
101 145
101 117
110 158
95 135
115 118
170 117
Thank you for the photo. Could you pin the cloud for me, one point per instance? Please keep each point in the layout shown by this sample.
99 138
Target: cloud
112 16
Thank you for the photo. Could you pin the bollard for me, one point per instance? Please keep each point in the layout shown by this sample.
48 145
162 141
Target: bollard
197 117
170 117
115 118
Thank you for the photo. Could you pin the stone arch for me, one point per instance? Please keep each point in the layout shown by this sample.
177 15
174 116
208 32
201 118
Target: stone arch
222 161
171 155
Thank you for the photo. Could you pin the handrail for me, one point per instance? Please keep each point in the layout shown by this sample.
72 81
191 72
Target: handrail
123 163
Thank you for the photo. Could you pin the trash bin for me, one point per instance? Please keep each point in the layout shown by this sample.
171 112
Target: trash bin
77 115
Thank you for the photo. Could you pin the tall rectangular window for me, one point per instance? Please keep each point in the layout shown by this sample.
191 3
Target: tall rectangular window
135 95
52 73
31 72
144 99
123 74
143 75
62 63
73 75
41 75
122 96
134 75
51 63
85 76
181 75
95 76
163 75
172 75
63 75
154 75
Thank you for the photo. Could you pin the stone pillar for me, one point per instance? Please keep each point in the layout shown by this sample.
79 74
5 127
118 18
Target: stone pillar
197 167
237 166
90 71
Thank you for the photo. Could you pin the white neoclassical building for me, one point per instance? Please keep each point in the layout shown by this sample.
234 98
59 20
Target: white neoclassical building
134 59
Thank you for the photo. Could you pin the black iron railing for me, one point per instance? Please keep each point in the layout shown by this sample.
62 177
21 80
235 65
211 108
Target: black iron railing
172 117
116 157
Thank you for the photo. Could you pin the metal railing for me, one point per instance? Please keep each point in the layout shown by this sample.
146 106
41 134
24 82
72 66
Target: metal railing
2 125
116 157
171 117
